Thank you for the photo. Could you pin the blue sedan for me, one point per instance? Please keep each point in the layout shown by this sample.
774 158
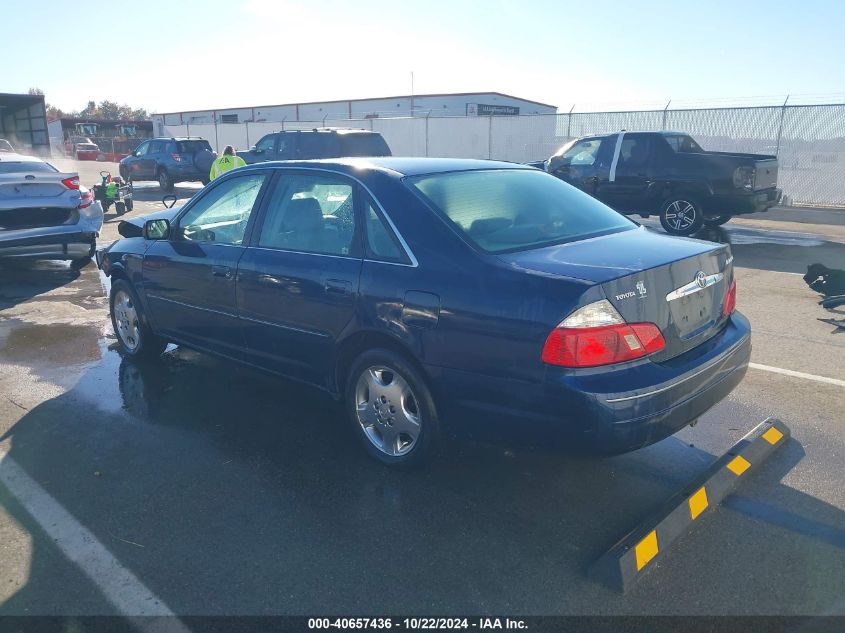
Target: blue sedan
425 292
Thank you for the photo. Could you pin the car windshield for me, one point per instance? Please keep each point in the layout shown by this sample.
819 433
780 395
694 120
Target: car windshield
511 210
363 145
191 147
28 166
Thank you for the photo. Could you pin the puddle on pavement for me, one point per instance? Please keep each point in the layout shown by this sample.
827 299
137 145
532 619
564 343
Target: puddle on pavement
55 344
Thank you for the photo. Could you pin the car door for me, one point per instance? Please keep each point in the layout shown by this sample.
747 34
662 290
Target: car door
626 185
189 278
263 150
136 161
153 159
298 280
584 163
286 146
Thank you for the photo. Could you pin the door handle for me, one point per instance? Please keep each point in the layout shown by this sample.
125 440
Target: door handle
269 280
221 271
338 286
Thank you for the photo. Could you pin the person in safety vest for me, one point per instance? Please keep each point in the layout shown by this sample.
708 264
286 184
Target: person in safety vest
111 190
227 162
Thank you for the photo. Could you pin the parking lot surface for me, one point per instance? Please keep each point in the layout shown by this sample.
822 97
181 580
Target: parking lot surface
223 490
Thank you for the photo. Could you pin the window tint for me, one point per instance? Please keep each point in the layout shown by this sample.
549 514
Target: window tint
222 214
512 210
266 144
381 244
317 145
634 152
142 149
363 145
191 147
156 147
25 167
683 143
313 214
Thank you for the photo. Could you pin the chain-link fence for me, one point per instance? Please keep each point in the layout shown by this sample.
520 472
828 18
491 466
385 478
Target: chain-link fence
809 140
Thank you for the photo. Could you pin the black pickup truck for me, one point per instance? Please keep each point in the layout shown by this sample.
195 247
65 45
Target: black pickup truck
667 174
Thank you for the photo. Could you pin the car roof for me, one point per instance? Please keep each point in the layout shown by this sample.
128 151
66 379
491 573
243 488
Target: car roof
7 157
397 165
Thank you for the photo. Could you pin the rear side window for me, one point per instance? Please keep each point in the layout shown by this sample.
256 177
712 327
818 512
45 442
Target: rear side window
683 144
381 243
317 145
25 167
363 145
191 147
505 210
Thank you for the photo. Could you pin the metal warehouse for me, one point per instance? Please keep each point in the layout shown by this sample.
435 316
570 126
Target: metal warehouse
455 104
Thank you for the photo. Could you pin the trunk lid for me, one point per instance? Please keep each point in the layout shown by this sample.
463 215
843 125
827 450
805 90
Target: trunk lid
37 189
648 277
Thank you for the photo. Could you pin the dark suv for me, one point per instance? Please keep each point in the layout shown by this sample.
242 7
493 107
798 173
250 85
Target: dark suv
169 160
316 143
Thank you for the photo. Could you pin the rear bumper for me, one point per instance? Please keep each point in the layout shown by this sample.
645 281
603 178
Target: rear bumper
63 246
607 410
741 204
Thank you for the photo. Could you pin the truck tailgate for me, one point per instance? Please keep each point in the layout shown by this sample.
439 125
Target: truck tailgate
766 175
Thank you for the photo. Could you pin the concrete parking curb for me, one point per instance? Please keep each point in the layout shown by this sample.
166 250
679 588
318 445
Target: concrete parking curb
628 560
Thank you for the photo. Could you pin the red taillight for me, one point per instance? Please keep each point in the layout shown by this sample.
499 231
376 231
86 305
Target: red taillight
71 183
730 300
605 345
86 200
176 157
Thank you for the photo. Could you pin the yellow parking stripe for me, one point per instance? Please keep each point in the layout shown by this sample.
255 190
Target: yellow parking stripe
738 465
646 550
772 436
698 503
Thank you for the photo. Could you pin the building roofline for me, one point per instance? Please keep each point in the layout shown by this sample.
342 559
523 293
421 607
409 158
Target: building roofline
415 96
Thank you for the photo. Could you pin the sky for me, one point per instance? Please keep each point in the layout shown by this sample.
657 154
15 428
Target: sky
592 54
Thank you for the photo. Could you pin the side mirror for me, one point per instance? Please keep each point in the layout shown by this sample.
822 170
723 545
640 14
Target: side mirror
156 229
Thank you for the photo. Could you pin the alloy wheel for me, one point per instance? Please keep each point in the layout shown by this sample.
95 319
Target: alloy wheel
387 410
126 321
680 214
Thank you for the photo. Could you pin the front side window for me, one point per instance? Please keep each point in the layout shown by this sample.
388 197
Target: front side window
221 216
312 214
507 210
142 149
266 144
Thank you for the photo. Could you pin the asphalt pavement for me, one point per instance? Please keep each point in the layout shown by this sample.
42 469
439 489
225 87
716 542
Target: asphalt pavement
195 486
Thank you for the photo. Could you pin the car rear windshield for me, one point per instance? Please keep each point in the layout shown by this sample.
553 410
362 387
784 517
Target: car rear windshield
7 167
363 145
191 147
504 210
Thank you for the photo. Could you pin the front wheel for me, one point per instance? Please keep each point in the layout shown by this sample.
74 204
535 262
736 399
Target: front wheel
134 336
165 181
681 215
391 409
718 220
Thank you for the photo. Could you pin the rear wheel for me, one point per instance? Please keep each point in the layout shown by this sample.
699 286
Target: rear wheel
129 204
717 221
134 336
120 207
681 215
391 409
165 181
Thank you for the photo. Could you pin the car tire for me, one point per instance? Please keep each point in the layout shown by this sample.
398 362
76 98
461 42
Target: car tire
205 180
391 409
129 204
120 208
717 221
134 336
165 181
681 215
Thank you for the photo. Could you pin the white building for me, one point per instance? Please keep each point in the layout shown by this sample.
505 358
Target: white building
458 104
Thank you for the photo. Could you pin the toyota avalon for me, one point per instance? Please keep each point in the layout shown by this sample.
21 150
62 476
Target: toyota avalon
423 292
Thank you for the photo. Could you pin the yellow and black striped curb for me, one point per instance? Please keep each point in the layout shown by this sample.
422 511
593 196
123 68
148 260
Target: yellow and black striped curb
636 553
